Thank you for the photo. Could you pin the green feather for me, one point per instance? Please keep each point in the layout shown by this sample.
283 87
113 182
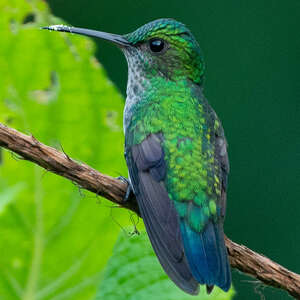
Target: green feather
188 145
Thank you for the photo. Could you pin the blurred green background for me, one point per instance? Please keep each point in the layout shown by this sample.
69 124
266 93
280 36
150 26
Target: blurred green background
252 53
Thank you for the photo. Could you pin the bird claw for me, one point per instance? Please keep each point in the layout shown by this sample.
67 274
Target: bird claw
209 288
129 191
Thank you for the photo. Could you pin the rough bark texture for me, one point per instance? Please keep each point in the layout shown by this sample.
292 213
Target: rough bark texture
241 257
263 268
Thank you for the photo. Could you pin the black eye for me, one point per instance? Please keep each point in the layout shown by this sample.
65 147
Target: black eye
157 45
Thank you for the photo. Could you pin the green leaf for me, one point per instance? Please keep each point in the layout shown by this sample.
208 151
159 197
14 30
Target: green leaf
55 239
134 273
8 195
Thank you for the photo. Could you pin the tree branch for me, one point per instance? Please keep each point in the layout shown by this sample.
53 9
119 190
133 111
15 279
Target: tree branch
241 258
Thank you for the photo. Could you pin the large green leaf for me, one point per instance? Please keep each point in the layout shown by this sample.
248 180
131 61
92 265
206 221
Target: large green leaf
133 273
54 239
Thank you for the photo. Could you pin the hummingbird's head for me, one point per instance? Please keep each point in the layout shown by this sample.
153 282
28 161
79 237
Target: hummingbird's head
165 48
162 48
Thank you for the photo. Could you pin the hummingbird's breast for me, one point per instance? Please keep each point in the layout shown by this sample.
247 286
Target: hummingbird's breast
159 105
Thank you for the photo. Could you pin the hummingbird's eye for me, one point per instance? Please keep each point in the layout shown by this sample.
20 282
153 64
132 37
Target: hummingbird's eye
157 45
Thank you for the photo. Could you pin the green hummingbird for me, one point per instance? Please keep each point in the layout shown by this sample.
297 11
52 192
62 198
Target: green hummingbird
175 150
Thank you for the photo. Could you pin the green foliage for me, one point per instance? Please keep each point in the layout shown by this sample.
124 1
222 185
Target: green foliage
54 240
134 273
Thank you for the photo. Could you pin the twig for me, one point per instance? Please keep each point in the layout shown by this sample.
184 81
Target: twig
29 148
241 257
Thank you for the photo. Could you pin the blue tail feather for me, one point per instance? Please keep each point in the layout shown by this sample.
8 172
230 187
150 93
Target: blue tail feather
207 255
225 274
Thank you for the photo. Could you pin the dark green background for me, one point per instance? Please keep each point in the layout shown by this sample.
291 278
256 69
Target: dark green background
252 51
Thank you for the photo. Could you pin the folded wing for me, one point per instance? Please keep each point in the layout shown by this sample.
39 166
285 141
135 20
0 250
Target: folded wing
147 170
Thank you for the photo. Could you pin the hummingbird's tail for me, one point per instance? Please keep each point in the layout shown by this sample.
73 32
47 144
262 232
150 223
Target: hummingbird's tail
207 255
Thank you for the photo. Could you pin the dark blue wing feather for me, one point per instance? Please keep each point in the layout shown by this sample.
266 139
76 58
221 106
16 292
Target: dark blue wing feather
147 170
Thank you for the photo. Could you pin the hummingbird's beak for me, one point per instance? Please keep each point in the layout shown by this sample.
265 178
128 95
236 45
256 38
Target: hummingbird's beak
115 38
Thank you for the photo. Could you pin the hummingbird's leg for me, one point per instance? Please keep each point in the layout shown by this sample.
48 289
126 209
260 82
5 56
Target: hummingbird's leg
209 288
129 192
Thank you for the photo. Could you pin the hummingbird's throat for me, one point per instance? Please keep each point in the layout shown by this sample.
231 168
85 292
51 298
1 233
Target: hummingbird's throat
138 75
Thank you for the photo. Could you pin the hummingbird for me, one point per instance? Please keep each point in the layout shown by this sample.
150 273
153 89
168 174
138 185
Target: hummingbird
175 150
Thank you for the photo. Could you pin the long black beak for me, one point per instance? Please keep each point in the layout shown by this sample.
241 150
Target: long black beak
115 38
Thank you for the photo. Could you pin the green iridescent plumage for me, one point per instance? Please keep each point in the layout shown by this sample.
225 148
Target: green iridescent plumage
192 170
156 28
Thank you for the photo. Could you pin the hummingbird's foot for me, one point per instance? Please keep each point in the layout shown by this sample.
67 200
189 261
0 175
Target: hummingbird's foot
129 192
209 289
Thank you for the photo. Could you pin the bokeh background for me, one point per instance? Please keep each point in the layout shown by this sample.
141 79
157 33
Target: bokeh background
252 54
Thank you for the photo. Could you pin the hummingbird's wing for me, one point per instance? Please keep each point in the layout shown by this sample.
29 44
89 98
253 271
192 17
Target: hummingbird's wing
147 170
177 160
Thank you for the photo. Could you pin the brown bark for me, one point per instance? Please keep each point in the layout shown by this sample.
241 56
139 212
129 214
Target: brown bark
241 257
263 268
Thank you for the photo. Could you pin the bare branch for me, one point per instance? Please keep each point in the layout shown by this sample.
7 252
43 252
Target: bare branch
241 257
29 148
263 268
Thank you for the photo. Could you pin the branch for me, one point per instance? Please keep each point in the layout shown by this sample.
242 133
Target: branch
241 258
